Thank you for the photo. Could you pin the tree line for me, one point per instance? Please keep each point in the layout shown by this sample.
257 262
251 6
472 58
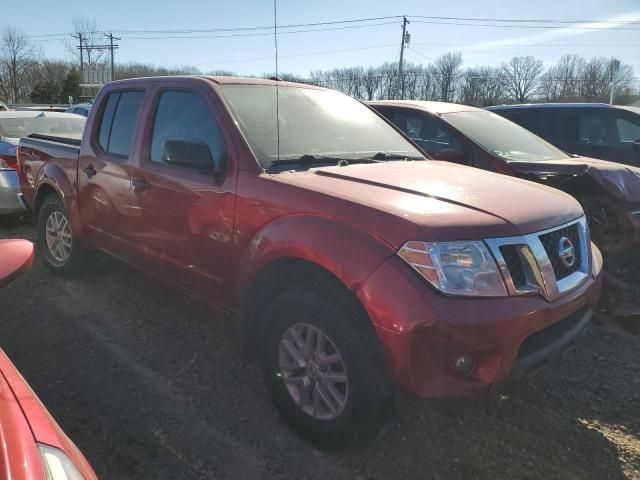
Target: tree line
520 80
26 76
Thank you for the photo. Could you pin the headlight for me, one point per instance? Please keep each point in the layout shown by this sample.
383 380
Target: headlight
57 465
456 268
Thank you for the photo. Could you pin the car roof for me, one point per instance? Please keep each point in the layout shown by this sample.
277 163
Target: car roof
34 114
551 105
82 105
219 80
431 107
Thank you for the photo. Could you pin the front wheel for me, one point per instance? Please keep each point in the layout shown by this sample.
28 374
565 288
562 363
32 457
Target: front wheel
61 253
323 368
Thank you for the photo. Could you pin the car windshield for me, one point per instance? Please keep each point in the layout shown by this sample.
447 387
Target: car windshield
312 122
23 126
503 137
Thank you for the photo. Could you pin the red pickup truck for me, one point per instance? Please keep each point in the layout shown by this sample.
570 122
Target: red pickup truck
357 264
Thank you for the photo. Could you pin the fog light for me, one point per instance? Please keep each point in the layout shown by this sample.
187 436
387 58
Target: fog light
464 363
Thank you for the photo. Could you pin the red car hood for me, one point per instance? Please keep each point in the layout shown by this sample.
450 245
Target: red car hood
443 200
622 181
25 421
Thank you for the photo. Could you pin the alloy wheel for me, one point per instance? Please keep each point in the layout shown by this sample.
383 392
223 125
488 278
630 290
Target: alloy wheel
313 371
58 236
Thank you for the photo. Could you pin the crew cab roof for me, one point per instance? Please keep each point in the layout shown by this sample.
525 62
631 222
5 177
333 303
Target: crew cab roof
431 107
218 80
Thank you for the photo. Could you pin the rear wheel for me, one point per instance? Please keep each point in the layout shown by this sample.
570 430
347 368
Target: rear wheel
323 368
60 252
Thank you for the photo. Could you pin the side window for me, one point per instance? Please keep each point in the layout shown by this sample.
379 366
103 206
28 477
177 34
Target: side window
119 121
124 122
592 129
527 119
107 120
628 129
426 132
186 115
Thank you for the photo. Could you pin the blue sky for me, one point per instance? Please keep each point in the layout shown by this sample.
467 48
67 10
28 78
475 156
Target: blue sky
302 52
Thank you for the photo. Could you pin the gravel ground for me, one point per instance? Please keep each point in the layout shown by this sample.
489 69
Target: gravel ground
150 384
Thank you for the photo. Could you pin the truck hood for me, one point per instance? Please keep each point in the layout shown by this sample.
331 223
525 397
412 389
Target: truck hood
621 181
445 201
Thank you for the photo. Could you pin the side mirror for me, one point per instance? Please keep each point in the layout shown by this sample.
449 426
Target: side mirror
16 256
451 155
193 153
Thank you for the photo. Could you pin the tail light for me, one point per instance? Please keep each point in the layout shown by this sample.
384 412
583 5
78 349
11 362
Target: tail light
9 161
8 156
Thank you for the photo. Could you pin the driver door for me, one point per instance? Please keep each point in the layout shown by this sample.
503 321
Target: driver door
184 217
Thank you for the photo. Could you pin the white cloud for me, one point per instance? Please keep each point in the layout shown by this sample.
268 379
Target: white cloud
561 32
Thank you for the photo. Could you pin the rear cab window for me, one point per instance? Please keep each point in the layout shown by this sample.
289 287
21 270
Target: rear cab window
118 121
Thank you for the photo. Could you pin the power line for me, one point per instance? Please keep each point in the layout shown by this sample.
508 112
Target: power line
609 45
260 34
442 20
525 20
545 27
267 27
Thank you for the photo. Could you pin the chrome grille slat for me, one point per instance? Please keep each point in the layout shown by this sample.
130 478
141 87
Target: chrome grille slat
537 262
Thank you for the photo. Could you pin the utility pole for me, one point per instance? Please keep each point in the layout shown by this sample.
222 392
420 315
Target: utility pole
615 66
81 48
111 47
402 43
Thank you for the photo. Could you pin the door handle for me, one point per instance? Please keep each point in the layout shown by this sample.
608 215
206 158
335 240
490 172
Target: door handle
89 171
140 184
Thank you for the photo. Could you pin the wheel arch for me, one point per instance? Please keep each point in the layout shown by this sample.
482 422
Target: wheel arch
275 278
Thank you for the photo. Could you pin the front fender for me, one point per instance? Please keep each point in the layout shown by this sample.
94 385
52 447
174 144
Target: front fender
51 176
345 251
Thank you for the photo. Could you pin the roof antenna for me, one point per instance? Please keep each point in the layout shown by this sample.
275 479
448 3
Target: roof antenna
277 78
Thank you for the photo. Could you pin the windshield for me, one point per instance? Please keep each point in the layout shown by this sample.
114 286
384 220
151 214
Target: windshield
23 126
312 122
503 137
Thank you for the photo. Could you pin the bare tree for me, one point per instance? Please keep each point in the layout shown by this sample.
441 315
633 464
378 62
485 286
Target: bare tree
521 75
91 36
371 83
448 68
16 64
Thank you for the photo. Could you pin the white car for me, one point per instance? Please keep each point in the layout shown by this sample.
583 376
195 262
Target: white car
17 124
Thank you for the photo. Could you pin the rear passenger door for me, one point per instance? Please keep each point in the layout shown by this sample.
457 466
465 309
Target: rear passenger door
104 171
626 141
184 215
589 132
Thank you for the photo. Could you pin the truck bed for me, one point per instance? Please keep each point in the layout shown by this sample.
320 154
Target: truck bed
36 150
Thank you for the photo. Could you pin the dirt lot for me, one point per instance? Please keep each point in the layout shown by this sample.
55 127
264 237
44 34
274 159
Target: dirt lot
150 384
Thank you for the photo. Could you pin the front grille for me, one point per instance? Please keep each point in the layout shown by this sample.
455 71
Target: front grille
549 335
514 264
550 241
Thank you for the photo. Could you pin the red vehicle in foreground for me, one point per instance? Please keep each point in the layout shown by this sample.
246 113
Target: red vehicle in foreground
356 264
33 445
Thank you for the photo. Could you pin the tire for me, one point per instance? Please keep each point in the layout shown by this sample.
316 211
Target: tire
67 264
367 395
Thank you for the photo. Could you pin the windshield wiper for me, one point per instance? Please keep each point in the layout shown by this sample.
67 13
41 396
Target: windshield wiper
306 160
382 156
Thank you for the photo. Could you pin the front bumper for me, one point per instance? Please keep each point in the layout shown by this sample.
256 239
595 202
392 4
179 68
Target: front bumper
9 192
423 332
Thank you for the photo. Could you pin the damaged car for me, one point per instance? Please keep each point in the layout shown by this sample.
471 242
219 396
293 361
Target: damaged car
609 192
